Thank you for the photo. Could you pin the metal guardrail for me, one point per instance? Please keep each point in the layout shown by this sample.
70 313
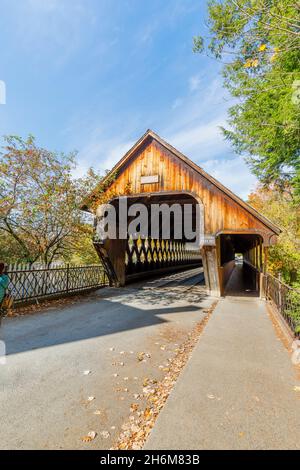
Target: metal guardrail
285 299
36 283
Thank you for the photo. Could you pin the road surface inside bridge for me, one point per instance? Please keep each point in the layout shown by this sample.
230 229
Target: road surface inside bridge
78 369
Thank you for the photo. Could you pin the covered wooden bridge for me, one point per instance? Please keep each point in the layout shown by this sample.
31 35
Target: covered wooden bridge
153 172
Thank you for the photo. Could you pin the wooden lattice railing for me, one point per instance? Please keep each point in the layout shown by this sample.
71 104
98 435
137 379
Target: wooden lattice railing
148 254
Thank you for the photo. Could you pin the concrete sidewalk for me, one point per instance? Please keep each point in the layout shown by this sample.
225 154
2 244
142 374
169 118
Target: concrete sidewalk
237 390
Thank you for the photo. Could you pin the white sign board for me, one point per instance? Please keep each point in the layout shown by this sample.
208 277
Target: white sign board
149 179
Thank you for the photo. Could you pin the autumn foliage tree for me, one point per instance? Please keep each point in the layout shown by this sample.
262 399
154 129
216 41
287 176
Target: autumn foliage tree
39 204
281 207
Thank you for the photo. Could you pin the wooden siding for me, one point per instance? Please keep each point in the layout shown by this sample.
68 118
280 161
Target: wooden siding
221 212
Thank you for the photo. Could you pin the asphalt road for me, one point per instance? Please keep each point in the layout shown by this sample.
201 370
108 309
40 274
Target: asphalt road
44 393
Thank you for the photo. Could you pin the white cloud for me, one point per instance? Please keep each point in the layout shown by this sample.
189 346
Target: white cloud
194 82
115 153
233 173
202 140
177 103
101 153
51 28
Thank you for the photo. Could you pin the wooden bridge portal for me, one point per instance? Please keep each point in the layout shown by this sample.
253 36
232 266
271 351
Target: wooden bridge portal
153 172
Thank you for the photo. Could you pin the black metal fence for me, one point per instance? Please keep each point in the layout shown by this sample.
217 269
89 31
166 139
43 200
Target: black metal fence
285 299
40 282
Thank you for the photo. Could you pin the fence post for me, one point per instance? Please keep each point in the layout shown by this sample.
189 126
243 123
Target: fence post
68 270
279 293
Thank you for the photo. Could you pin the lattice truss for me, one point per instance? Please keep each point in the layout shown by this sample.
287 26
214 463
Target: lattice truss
149 253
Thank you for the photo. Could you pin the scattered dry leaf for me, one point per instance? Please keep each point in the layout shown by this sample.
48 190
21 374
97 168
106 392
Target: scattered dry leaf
89 437
134 407
140 356
136 430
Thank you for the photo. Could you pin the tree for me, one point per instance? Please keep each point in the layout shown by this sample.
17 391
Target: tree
9 249
39 201
260 42
284 257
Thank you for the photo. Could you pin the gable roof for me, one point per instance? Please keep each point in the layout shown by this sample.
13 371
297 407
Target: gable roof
149 134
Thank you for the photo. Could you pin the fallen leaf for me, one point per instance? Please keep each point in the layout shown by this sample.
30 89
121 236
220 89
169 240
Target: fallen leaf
89 437
134 407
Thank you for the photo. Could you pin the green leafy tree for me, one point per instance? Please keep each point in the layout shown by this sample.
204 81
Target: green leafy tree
284 257
259 43
39 203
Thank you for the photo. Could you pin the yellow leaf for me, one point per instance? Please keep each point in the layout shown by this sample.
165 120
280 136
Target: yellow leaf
262 47
247 64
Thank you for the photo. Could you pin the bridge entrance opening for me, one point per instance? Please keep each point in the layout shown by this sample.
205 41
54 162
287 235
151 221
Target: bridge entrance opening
240 263
157 239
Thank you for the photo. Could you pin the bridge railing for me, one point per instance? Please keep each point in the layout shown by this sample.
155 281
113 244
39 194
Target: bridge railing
146 255
285 299
29 283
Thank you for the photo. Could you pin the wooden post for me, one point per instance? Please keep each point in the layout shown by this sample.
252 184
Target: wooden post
210 265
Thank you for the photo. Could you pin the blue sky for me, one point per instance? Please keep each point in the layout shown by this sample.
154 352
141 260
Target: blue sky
93 75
